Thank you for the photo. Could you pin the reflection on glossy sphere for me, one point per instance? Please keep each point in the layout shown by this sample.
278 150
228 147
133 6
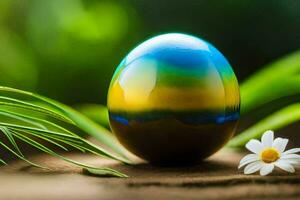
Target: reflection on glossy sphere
174 99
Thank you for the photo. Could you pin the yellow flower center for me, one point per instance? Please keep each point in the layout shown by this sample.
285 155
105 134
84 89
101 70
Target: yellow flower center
269 155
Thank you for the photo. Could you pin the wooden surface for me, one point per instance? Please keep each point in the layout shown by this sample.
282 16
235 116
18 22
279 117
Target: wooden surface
217 178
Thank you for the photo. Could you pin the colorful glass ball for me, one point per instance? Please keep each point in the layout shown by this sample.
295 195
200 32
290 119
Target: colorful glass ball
174 100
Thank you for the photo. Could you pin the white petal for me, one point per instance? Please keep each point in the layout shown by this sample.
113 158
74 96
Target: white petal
255 146
291 156
280 144
267 138
291 161
266 169
252 167
294 150
248 159
285 166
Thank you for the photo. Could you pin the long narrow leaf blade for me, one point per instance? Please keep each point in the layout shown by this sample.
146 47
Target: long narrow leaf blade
91 146
101 172
93 129
22 157
49 151
276 80
3 162
10 137
275 121
24 105
87 125
96 112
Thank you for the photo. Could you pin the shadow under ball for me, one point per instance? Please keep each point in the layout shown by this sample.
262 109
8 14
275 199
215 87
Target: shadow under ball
174 100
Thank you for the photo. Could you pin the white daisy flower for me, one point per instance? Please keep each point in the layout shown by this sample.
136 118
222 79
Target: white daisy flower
269 153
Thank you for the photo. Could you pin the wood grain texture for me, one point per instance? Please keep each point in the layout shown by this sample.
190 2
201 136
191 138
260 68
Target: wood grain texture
216 178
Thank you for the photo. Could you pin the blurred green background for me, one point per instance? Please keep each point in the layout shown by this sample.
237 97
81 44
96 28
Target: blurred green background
68 49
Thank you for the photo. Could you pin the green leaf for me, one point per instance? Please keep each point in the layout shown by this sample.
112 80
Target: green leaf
37 120
94 130
27 117
85 124
49 151
99 172
84 143
20 117
3 162
275 121
22 104
47 139
11 139
276 80
96 112
22 157
20 131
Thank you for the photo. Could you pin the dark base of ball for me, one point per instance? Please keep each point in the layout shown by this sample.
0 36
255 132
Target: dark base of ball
169 142
178 163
